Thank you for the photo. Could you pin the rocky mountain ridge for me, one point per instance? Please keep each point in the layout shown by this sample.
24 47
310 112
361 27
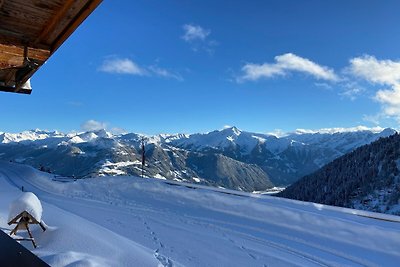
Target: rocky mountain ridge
228 158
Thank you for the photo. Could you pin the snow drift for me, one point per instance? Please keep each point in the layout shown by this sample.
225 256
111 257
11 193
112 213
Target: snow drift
29 202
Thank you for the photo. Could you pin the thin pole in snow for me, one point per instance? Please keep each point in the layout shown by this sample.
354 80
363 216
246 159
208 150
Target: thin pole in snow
143 157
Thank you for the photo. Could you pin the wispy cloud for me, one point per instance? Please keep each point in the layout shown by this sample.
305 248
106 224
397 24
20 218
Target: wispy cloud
325 86
374 119
278 133
352 93
198 38
92 125
285 64
128 66
164 73
351 90
383 73
122 66
194 33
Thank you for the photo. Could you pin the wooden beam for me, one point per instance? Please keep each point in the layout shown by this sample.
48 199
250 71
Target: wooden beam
49 26
14 55
13 61
5 65
9 79
79 18
8 38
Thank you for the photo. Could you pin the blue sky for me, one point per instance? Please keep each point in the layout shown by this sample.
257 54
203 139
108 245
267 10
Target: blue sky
194 66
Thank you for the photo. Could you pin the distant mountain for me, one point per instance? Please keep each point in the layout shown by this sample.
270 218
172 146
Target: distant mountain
228 158
283 159
367 178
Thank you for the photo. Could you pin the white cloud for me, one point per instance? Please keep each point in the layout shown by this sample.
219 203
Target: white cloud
92 125
383 73
117 130
374 119
352 90
122 66
278 133
254 72
198 38
324 86
127 66
285 64
165 73
194 33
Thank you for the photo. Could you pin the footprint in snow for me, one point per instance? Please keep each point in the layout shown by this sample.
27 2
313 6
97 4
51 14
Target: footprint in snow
164 261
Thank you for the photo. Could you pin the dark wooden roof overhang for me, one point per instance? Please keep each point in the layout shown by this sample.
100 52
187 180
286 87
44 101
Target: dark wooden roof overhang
31 31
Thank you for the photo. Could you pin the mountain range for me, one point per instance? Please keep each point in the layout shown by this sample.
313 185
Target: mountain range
229 158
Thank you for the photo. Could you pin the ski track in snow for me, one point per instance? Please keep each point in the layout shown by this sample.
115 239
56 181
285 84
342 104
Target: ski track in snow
186 227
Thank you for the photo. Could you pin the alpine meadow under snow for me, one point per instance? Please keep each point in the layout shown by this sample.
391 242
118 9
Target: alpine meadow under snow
131 221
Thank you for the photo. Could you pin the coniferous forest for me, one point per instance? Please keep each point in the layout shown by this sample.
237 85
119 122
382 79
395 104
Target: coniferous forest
366 178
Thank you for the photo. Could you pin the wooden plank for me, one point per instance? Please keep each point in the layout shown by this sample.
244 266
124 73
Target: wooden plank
10 61
9 79
83 14
70 13
6 65
14 38
55 20
26 19
14 55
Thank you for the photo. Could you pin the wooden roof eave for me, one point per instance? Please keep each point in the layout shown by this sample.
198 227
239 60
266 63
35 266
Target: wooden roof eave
22 54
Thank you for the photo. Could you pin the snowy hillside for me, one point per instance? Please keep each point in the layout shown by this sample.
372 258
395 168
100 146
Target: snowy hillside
129 221
229 158
367 178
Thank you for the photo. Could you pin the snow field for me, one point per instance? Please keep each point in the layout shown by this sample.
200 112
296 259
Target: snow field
129 221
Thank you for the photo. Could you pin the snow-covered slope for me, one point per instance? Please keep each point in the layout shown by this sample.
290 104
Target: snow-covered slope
367 178
129 221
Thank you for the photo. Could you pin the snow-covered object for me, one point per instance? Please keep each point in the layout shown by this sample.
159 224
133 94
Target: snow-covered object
26 202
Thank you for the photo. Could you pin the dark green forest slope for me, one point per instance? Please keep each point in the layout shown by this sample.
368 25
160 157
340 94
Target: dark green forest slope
367 178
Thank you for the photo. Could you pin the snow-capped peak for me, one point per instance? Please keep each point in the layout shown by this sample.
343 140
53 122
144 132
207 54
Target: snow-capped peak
91 136
232 130
359 128
31 135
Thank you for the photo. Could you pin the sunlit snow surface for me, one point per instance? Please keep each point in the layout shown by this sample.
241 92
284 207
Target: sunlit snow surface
26 201
128 221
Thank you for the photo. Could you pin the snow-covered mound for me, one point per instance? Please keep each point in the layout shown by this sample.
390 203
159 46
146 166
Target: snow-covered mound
28 202
129 221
